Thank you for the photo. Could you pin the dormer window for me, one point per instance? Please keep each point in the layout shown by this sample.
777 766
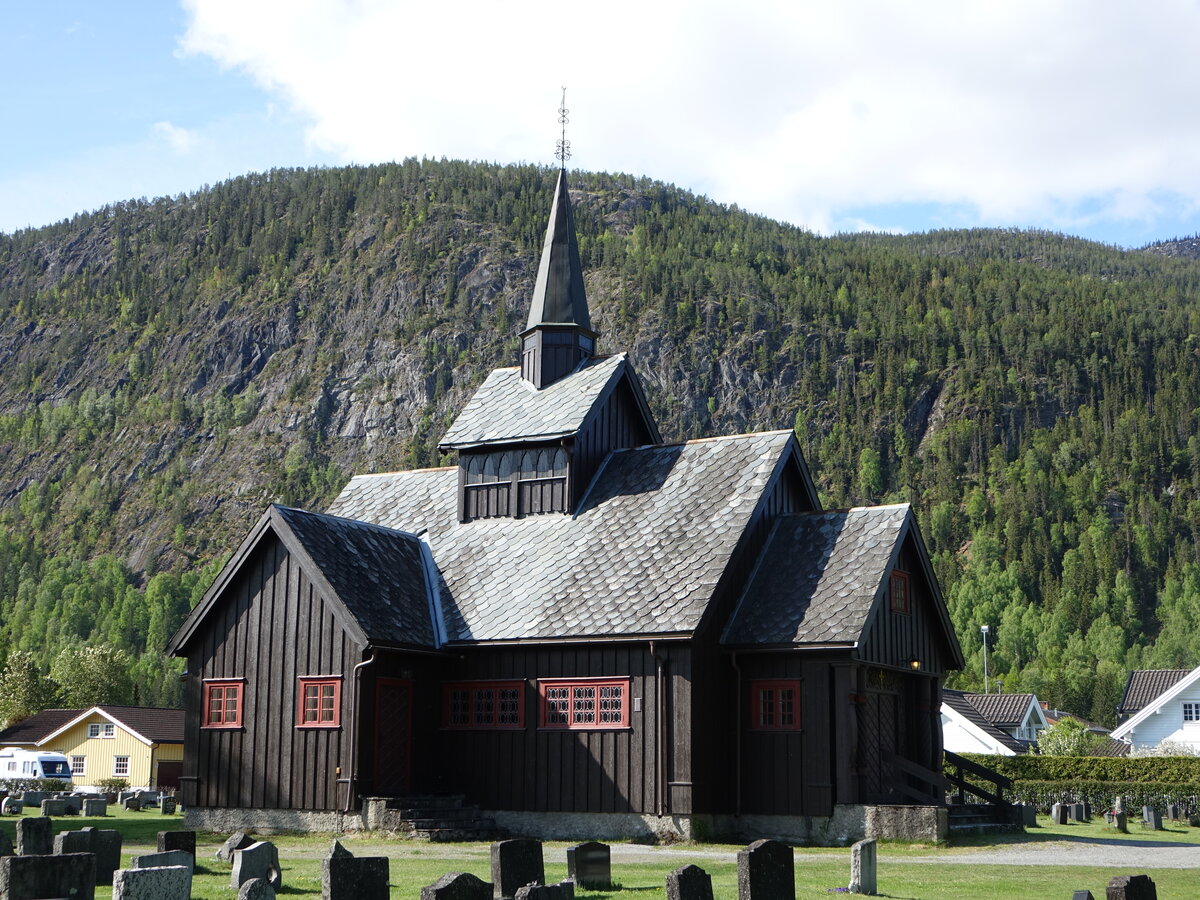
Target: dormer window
514 483
900 600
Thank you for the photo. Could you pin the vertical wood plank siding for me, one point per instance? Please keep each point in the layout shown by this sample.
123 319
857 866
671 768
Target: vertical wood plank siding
893 639
273 627
559 770
614 425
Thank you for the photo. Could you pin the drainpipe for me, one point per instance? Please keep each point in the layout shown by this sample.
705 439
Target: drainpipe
737 739
659 734
352 781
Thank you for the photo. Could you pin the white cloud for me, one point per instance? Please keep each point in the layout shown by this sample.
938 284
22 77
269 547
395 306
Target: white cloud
181 140
1023 112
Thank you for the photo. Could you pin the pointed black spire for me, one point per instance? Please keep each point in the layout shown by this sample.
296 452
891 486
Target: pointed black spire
558 335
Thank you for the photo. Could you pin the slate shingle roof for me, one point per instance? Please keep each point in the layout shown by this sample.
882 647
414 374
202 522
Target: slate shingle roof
1002 709
1146 684
642 555
819 577
963 704
508 408
378 573
37 726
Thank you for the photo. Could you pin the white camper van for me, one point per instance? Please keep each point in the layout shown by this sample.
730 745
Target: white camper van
17 764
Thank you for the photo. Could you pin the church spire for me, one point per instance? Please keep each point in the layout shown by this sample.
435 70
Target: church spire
558 335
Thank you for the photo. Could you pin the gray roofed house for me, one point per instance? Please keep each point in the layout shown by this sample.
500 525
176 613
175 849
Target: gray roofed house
574 618
1143 686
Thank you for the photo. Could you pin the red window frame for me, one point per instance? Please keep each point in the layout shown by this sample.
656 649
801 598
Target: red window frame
223 690
772 707
583 704
483 704
899 594
319 701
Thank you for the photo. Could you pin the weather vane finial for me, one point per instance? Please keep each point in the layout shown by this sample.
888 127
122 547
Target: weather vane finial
563 153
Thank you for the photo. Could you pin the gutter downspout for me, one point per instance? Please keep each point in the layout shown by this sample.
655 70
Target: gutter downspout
352 781
737 739
659 739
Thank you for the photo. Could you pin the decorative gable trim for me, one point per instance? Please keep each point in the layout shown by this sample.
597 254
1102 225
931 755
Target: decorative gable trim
1125 730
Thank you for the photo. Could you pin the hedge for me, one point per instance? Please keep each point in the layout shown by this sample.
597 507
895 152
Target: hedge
1101 794
1138 770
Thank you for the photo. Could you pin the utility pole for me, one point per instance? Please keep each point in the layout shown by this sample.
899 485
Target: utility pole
984 630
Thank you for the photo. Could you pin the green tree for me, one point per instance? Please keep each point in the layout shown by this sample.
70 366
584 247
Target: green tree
24 688
1068 737
88 676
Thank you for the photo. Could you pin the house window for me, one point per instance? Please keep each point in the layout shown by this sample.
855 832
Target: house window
899 593
101 729
1191 712
485 704
120 766
775 705
595 703
77 764
223 704
320 703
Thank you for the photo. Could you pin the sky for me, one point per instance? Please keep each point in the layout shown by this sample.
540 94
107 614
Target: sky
880 115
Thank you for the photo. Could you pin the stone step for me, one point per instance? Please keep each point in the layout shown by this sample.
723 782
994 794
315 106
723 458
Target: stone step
439 812
426 801
984 828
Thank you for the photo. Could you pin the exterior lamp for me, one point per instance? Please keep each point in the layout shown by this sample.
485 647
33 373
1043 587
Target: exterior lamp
915 665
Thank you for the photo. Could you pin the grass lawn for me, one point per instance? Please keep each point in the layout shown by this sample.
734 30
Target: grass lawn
916 871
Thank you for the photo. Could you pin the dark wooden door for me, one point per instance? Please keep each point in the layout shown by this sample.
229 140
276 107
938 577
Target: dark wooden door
393 736
168 774
878 734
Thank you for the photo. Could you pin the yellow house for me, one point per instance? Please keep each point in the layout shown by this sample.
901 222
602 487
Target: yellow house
143 745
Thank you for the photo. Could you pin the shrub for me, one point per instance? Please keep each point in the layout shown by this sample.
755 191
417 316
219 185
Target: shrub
112 785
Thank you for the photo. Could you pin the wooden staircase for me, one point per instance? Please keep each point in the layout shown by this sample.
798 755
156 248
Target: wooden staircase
438 817
977 805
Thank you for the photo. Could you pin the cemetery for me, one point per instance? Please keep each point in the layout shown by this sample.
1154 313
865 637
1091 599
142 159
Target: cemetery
135 854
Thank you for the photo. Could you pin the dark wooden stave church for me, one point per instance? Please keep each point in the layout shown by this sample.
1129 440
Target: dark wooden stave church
582 630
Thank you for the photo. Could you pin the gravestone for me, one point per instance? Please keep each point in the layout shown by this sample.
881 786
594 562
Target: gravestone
122 796
105 844
1028 814
35 836
1173 812
689 883
590 865
95 807
1087 811
1077 812
177 840
54 807
6 845
72 805
1082 895
1120 823
348 877
766 871
1118 805
162 860
154 883
32 877
11 806
563 891
1131 887
168 806
259 860
239 840
516 863
457 886
256 889
1153 818
34 798
863 866
148 799
131 804
1059 813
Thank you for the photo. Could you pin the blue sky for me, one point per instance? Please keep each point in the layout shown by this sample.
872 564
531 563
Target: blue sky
1078 117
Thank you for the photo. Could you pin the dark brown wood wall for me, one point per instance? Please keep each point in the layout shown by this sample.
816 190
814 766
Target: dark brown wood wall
894 639
618 424
270 627
554 770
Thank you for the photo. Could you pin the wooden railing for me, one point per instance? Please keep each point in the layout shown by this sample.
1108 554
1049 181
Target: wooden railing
976 780
932 785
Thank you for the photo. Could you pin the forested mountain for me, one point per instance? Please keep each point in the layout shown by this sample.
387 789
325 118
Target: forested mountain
171 367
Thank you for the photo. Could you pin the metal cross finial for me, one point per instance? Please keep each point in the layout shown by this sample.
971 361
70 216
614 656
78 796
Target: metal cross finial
563 152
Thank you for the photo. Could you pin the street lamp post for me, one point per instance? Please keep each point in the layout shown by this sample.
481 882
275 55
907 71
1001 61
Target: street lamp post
984 630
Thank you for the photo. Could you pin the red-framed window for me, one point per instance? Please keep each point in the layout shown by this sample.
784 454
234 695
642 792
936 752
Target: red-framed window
775 705
898 589
319 702
483 704
592 703
223 703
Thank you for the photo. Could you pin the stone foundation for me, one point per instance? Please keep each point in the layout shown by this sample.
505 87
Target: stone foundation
221 820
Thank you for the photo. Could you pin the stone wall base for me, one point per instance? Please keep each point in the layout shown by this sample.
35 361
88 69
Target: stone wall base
223 820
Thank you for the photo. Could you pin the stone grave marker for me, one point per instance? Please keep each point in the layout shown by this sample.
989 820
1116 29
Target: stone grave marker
1077 812
516 863
54 807
689 883
95 807
11 806
177 840
239 840
6 845
131 804
1058 813
590 865
1120 822
1028 814
148 799
154 883
35 837
766 871
1087 811
1131 887
168 805
1154 819
864 860
162 860
27 877
105 844
457 886
259 860
72 804
348 877
256 889
34 798
1173 812
1082 895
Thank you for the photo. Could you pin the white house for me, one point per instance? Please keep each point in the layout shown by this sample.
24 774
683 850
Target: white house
1001 724
1173 714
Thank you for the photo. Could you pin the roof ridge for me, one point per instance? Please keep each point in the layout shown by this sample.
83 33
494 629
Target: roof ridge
357 522
402 472
704 440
